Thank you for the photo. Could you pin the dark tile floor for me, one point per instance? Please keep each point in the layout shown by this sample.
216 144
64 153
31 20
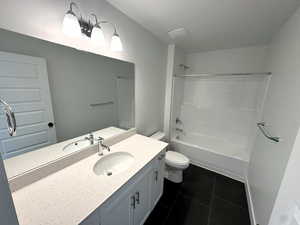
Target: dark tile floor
204 198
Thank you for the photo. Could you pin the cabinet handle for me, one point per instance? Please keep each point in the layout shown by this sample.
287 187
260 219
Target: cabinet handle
156 175
133 202
137 194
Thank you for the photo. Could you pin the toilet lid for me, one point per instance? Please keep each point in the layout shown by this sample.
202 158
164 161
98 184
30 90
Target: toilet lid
176 159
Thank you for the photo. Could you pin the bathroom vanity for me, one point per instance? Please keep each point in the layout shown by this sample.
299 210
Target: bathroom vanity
84 193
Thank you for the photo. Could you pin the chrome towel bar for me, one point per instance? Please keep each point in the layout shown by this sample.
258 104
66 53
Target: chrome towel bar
102 103
261 127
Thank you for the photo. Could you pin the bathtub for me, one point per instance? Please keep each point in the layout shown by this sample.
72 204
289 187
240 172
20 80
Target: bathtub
214 154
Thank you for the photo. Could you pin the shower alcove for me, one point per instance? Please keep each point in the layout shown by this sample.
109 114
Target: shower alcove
213 119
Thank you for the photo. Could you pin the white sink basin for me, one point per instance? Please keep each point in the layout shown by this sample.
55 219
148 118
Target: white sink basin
113 163
76 146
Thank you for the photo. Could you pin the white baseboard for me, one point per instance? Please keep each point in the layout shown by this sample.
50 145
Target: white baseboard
250 203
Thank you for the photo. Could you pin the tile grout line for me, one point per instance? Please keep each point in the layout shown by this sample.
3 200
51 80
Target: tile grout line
230 202
211 201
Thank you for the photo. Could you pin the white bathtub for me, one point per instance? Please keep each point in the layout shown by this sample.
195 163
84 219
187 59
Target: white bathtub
214 154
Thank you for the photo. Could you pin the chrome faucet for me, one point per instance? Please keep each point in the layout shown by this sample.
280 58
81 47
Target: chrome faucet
102 146
90 138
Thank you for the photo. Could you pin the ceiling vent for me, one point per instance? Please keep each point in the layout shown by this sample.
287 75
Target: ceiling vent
178 34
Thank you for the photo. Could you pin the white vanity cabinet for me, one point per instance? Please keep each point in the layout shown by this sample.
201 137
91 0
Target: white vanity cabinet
132 204
118 209
157 182
141 208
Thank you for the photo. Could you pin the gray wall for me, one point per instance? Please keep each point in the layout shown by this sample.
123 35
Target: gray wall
76 79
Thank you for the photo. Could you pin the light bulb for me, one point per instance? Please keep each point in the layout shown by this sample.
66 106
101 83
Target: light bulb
71 26
84 37
97 35
116 44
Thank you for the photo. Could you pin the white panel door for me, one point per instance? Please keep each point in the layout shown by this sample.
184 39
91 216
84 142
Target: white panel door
24 85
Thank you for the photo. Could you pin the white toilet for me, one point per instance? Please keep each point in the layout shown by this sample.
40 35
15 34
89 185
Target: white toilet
175 162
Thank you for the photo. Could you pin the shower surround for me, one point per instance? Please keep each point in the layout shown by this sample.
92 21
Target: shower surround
214 120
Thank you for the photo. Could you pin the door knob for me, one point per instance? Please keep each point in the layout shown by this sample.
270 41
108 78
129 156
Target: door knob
50 124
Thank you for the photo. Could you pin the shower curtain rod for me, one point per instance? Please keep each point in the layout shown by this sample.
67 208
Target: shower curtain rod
221 74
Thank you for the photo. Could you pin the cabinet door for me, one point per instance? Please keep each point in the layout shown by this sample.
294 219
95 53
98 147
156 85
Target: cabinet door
157 182
118 211
131 204
92 219
142 201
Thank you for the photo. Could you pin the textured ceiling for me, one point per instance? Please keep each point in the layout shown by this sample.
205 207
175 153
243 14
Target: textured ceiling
211 24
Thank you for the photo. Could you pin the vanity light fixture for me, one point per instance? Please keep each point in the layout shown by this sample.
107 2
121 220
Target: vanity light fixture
71 26
116 43
74 26
97 35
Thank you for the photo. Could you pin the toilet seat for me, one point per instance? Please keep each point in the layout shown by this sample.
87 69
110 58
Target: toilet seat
177 160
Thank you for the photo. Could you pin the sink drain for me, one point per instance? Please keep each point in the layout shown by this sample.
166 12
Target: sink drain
109 173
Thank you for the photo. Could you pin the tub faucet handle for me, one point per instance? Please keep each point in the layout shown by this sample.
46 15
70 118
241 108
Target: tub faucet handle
179 130
90 138
178 121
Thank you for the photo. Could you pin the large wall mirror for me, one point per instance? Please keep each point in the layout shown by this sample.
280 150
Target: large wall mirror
59 96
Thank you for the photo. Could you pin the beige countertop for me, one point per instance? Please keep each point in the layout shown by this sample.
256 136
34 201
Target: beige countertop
22 163
70 195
